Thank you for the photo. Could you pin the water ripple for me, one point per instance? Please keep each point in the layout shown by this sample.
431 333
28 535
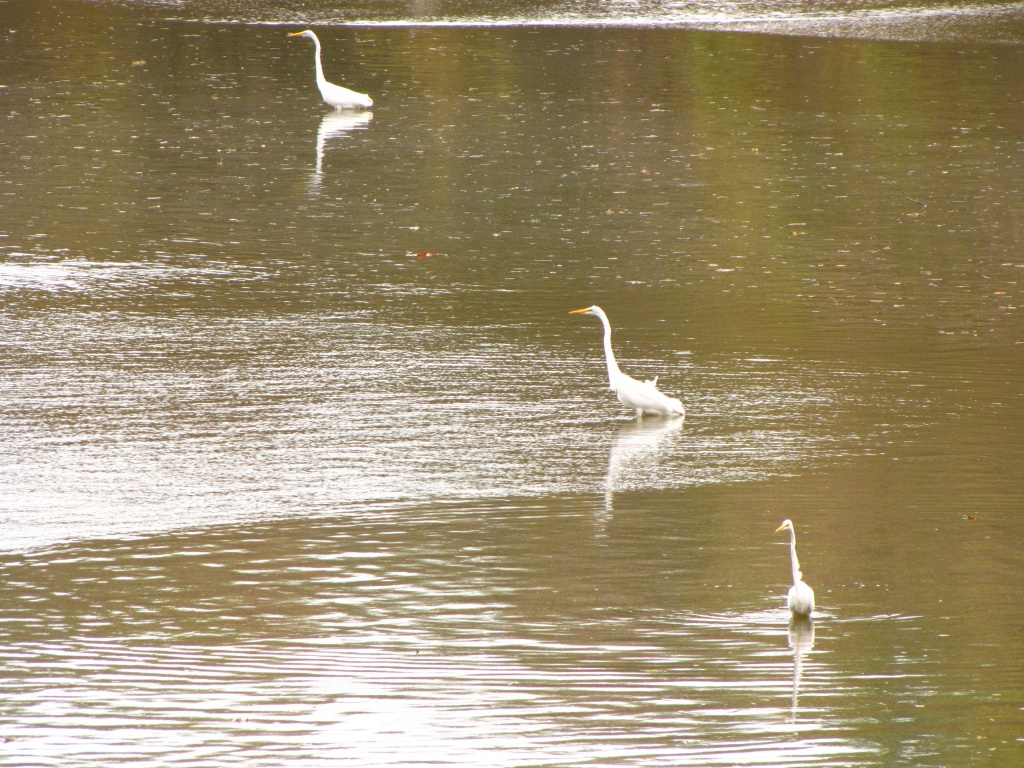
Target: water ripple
893 19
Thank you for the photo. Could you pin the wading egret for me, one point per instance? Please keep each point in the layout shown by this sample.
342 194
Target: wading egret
642 396
801 596
334 95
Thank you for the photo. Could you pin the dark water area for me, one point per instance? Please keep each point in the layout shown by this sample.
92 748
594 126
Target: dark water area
305 462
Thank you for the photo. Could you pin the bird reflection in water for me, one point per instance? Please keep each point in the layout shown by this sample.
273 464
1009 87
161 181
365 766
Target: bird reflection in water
801 640
334 125
634 454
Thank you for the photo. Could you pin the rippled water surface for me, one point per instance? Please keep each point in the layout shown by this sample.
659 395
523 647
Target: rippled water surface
305 462
990 20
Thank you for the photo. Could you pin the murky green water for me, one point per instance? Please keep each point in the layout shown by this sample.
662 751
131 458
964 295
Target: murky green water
304 461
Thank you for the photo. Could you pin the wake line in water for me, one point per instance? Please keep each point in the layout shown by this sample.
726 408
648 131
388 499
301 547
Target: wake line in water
701 19
980 22
715 16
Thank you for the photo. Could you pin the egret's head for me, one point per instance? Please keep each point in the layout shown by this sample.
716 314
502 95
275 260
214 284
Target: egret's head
304 33
787 525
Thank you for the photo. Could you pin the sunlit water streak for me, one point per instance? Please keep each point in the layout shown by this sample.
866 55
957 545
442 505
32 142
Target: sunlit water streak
384 680
152 419
365 707
895 19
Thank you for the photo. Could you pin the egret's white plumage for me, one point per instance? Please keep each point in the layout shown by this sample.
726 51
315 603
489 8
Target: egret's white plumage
642 396
801 596
334 95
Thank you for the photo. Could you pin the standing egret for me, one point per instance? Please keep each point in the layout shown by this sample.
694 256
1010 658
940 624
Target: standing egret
643 396
334 95
801 596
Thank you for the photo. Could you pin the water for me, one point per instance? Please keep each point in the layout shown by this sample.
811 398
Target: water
990 20
306 462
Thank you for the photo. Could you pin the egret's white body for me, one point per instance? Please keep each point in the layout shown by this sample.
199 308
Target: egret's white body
801 596
642 396
334 95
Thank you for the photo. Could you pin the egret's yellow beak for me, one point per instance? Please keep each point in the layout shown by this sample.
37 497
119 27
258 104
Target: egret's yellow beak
295 34
781 528
579 311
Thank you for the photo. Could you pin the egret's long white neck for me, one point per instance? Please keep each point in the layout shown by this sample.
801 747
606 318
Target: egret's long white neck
797 575
319 67
609 356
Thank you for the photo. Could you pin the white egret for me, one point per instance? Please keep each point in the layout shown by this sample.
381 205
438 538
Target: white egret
334 95
643 396
801 596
